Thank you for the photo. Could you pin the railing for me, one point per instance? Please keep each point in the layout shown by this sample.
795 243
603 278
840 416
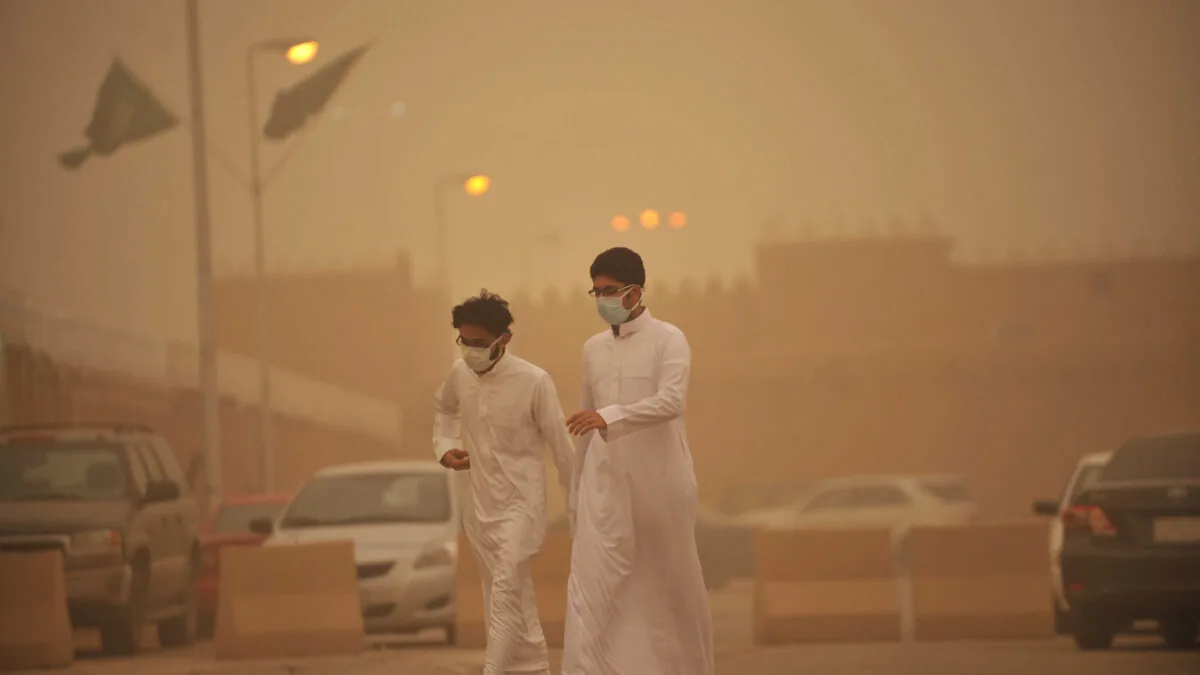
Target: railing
159 361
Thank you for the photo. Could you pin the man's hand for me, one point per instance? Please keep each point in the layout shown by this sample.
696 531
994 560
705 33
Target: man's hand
582 422
456 459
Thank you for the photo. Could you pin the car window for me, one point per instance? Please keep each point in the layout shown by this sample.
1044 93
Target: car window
236 518
166 459
828 500
371 498
1157 458
63 472
137 469
153 469
948 491
877 496
1088 476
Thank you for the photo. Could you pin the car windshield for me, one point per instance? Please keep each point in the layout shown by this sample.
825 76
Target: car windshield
948 491
62 472
236 518
371 498
1157 458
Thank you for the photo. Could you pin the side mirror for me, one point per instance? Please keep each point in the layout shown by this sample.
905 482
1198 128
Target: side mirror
161 491
1045 507
262 525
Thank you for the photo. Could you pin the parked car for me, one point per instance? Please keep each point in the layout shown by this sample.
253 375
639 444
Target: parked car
114 500
762 495
1087 472
724 545
1131 545
873 501
229 525
403 518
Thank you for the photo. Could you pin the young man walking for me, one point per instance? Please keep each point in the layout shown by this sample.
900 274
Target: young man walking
636 601
494 415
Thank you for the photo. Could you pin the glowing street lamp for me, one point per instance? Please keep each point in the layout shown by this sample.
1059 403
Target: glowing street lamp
649 219
477 185
302 52
619 223
677 220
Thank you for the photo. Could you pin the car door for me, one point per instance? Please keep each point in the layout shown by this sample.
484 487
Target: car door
155 517
182 516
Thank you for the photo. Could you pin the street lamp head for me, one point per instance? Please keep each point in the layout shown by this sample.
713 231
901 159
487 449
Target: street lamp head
299 53
296 50
477 185
619 223
649 219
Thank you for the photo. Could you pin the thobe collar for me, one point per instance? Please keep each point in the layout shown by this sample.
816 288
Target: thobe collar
633 326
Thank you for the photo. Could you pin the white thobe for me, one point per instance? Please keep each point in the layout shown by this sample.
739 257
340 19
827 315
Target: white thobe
636 601
503 419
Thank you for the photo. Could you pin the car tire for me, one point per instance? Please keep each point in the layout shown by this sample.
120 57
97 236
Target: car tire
180 631
1092 632
121 633
1179 633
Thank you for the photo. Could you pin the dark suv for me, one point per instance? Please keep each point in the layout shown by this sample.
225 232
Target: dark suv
114 499
1131 543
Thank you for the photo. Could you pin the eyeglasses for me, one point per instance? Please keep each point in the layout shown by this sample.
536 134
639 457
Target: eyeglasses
609 291
462 342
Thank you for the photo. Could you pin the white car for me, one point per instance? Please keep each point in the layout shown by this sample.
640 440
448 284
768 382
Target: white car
403 518
895 502
1087 470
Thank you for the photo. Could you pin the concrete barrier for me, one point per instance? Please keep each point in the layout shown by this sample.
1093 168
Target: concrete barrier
35 628
288 601
551 567
979 582
825 586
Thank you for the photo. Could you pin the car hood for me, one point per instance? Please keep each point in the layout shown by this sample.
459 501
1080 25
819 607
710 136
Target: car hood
374 542
60 517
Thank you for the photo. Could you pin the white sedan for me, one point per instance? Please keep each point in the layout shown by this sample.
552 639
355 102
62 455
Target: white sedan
894 502
403 518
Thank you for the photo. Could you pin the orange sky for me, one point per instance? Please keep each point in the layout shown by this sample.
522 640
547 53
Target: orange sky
1069 124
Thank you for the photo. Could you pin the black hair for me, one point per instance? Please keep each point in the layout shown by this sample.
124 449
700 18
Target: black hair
621 264
486 310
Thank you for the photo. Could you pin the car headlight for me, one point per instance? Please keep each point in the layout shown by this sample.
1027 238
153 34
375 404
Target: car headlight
438 554
96 541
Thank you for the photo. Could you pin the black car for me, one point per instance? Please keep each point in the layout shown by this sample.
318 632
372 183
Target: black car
114 500
1131 544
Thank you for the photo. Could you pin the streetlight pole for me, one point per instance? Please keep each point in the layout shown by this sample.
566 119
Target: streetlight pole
210 431
265 430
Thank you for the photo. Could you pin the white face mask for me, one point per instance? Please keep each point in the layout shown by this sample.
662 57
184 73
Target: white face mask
479 359
612 309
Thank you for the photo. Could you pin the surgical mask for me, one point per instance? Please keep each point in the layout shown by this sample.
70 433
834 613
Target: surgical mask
479 359
612 309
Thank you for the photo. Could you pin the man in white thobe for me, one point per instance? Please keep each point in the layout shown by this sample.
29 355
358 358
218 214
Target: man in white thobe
494 415
636 601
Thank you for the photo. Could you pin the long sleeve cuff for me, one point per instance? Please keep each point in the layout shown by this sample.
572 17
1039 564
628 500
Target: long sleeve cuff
443 445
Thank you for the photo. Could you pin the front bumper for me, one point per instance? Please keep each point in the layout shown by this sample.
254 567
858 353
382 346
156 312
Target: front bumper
403 600
1132 584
